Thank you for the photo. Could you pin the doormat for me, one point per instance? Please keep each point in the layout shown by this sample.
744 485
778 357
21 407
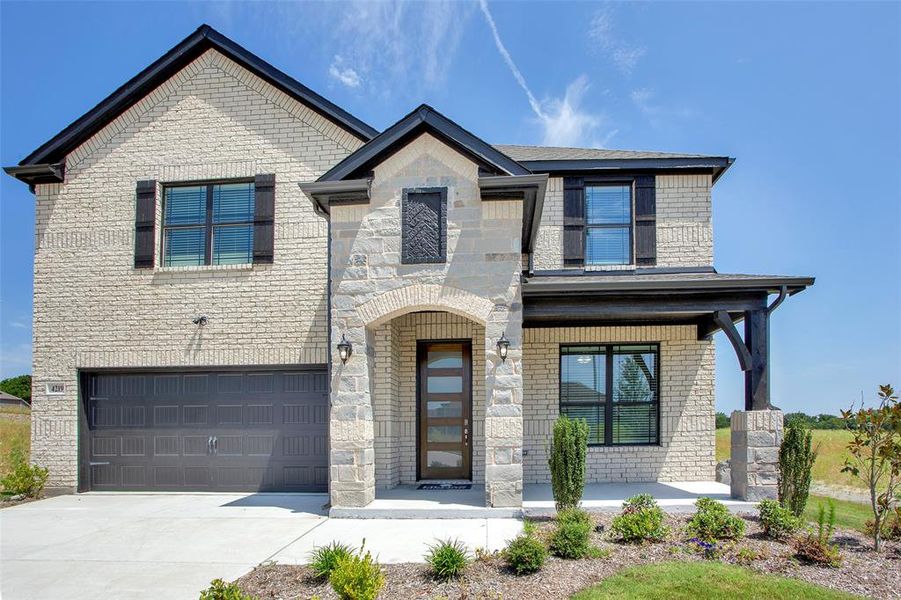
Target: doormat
444 486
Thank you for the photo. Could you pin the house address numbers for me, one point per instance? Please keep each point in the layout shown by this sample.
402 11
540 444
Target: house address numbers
55 388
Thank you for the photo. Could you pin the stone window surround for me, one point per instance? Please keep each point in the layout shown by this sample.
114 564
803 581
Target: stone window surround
442 224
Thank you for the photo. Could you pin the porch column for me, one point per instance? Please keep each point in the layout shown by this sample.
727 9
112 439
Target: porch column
756 437
503 408
351 431
757 378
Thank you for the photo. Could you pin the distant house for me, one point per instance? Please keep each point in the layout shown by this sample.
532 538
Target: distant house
10 400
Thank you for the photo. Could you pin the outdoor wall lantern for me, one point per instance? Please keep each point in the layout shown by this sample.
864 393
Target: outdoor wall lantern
345 349
201 320
503 345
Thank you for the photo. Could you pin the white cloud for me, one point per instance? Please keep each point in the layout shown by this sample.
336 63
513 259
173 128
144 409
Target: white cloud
563 120
658 114
18 324
624 55
344 75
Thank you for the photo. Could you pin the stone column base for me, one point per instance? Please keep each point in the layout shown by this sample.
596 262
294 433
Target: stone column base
756 437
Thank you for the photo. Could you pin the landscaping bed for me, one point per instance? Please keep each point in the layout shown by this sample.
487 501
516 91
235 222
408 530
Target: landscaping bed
863 572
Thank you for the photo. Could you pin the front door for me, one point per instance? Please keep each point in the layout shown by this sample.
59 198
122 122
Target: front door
445 409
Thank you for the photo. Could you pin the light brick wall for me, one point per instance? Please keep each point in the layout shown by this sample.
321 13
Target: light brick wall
480 281
92 309
686 451
394 393
684 224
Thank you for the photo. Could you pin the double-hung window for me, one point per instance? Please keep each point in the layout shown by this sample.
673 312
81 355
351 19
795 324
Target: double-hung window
615 388
608 225
208 224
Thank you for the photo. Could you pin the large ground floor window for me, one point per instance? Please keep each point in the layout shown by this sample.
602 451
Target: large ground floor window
615 388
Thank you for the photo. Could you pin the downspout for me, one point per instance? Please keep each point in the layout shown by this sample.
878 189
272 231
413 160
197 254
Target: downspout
328 340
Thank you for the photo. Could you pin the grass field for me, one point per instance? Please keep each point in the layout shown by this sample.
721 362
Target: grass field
15 428
713 580
827 468
850 515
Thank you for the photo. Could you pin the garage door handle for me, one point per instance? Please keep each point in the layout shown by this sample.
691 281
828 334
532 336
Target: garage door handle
97 464
216 445
209 445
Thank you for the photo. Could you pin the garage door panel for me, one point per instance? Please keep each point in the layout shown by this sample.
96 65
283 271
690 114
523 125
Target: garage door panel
210 431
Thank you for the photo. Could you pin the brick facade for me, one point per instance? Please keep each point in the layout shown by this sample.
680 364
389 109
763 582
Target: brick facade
92 309
686 450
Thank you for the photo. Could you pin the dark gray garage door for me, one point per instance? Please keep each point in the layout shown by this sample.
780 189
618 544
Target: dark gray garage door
207 431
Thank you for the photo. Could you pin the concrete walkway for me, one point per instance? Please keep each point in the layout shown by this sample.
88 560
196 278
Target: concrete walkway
101 545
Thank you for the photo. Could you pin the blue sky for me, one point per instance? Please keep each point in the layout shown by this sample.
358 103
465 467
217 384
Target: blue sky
806 96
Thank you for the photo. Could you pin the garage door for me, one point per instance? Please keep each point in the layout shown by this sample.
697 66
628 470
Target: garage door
207 431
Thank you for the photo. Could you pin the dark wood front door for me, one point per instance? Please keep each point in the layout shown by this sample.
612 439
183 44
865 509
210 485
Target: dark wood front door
445 409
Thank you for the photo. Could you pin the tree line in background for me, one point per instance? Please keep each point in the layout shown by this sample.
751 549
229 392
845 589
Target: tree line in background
19 386
822 421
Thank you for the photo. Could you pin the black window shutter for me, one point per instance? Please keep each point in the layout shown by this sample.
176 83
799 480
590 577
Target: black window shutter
145 220
263 218
573 221
645 220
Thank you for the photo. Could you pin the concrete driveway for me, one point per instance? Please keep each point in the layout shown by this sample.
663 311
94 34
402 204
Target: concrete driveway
100 545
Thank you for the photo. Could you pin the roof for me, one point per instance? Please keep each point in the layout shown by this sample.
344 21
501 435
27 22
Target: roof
203 39
9 397
560 160
527 153
640 280
423 118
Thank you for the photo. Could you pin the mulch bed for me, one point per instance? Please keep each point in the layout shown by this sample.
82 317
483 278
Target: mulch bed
863 572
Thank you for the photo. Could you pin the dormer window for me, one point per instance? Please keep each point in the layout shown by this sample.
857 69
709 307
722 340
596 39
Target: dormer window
608 225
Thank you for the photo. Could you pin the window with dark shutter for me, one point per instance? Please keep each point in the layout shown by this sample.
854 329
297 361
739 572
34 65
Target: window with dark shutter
608 225
145 222
645 220
264 219
210 224
573 221
615 388
424 225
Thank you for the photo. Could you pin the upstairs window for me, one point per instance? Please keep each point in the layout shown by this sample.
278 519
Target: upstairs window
208 224
615 389
608 225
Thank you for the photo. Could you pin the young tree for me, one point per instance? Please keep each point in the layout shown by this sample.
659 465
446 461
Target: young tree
796 458
875 449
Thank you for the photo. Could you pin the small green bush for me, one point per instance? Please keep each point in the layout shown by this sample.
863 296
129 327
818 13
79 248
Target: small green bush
220 590
23 478
570 538
796 458
525 554
640 521
324 559
566 461
357 577
817 547
448 559
778 522
712 521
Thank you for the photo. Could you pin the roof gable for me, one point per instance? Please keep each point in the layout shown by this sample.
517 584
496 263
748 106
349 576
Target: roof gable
205 38
424 118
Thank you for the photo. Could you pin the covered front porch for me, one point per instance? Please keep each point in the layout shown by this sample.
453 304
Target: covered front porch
410 502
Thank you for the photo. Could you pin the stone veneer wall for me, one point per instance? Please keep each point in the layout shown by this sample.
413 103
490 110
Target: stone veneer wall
684 224
686 451
394 393
92 309
480 280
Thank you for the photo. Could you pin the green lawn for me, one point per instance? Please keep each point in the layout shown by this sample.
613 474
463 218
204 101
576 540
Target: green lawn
850 515
827 469
710 580
13 430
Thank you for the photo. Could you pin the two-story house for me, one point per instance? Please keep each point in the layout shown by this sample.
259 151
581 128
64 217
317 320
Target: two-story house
239 286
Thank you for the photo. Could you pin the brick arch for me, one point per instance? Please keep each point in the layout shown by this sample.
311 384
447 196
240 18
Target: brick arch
417 296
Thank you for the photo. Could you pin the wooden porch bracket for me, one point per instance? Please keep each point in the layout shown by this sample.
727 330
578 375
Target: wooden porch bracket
722 320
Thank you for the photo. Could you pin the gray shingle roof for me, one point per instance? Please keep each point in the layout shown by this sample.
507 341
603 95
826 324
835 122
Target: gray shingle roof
619 281
519 153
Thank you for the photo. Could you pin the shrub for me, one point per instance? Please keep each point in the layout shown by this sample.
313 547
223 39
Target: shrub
566 461
817 547
23 478
219 590
324 559
796 458
640 521
570 538
746 555
708 549
778 522
525 554
891 526
448 559
712 521
357 577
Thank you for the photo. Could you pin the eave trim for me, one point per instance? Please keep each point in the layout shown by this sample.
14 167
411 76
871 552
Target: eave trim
326 194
